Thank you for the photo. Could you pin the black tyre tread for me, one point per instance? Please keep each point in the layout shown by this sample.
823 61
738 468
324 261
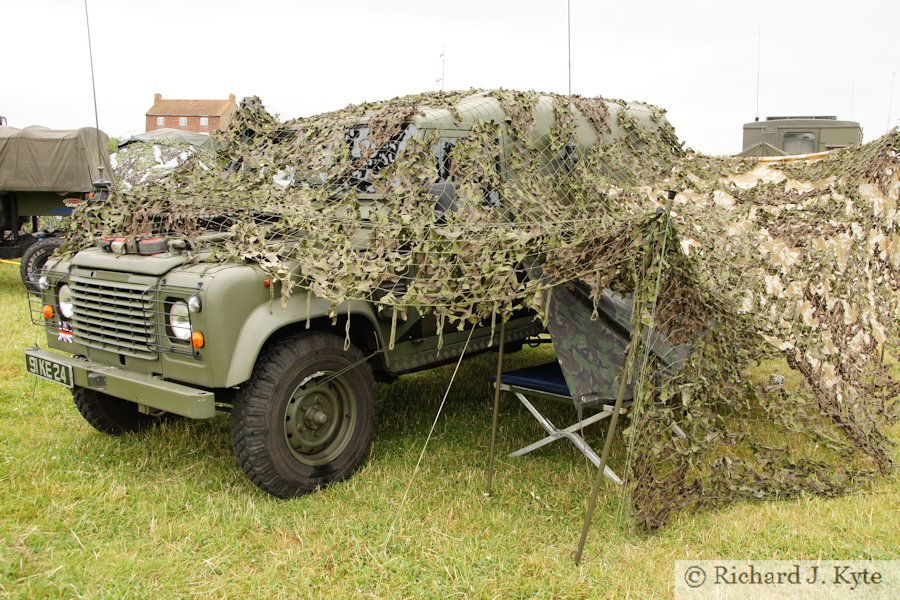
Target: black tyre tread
111 415
249 413
34 258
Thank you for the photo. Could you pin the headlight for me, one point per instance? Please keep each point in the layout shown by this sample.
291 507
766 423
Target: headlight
180 320
65 300
43 282
194 304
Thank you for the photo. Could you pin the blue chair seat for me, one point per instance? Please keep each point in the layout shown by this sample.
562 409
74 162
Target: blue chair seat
547 381
547 377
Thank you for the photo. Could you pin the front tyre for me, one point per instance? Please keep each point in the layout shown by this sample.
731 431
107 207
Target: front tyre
306 418
111 415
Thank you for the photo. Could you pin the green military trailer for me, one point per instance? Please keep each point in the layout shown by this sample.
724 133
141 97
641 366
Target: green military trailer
165 325
44 173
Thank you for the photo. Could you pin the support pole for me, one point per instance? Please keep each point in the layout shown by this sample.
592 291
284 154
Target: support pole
497 392
607 445
620 396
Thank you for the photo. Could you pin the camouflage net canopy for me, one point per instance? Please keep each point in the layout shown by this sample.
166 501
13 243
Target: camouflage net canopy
145 162
443 202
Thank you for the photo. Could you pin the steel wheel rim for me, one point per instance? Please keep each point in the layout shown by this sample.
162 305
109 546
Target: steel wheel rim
319 418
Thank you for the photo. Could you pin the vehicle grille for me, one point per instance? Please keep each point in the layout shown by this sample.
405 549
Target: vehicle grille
119 317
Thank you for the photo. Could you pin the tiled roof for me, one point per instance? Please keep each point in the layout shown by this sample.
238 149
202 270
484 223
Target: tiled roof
191 108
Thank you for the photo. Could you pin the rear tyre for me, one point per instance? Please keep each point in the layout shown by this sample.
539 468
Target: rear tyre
306 418
35 258
111 415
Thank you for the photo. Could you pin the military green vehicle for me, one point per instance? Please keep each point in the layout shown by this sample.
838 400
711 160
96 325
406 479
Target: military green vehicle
44 173
153 328
788 135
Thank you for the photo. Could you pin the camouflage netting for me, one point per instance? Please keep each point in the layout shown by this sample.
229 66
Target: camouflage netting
756 259
144 163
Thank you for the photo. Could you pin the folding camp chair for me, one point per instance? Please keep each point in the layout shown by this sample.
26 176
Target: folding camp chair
590 348
546 382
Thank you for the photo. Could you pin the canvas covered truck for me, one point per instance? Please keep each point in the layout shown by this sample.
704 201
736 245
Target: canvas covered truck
168 324
44 173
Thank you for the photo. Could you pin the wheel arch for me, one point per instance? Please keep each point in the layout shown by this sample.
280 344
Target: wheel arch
268 324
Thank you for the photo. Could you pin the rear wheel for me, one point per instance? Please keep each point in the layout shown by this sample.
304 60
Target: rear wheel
35 258
306 418
111 415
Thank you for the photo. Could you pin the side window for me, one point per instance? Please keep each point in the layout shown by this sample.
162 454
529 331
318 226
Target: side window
565 160
376 159
491 197
569 158
442 157
452 170
799 142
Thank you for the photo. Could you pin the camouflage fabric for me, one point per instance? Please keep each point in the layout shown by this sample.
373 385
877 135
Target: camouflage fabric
590 351
145 162
591 341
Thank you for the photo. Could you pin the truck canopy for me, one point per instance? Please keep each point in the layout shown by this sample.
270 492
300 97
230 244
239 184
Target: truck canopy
37 159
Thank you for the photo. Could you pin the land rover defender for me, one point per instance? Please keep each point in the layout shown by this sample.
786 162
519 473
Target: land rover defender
154 326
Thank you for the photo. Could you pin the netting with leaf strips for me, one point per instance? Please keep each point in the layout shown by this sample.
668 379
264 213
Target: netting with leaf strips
440 202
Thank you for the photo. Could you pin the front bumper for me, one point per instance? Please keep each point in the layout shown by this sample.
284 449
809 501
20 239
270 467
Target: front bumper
136 387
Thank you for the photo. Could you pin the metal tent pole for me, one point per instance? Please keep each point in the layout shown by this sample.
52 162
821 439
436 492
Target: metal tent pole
626 376
497 392
607 444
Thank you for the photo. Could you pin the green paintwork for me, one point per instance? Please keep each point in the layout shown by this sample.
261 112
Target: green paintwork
320 418
239 315
769 137
267 317
158 264
237 318
142 389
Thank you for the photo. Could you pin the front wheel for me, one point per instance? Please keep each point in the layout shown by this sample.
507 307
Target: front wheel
111 415
306 418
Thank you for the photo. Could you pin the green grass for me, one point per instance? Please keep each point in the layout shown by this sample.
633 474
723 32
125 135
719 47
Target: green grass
169 514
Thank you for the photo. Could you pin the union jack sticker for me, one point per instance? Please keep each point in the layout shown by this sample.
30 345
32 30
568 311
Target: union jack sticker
65 332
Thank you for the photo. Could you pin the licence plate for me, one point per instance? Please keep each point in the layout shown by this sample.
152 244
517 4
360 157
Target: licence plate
48 369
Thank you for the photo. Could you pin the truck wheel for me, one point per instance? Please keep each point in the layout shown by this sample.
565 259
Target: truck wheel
34 258
306 418
109 414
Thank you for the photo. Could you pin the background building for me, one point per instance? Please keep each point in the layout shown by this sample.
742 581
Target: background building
201 116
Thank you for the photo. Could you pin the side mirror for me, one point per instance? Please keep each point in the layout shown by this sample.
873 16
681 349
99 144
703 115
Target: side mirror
101 190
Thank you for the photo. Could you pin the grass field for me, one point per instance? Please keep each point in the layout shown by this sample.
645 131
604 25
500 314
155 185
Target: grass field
168 513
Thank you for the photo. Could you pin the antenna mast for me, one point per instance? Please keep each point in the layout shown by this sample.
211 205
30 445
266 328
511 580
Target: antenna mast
890 102
758 53
100 149
569 35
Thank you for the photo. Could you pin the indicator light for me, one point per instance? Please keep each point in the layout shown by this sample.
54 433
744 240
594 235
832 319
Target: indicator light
197 340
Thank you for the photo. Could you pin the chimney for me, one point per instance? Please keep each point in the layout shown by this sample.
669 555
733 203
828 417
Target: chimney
157 97
231 98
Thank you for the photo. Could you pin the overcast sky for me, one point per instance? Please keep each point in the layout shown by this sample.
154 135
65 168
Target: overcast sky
697 59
